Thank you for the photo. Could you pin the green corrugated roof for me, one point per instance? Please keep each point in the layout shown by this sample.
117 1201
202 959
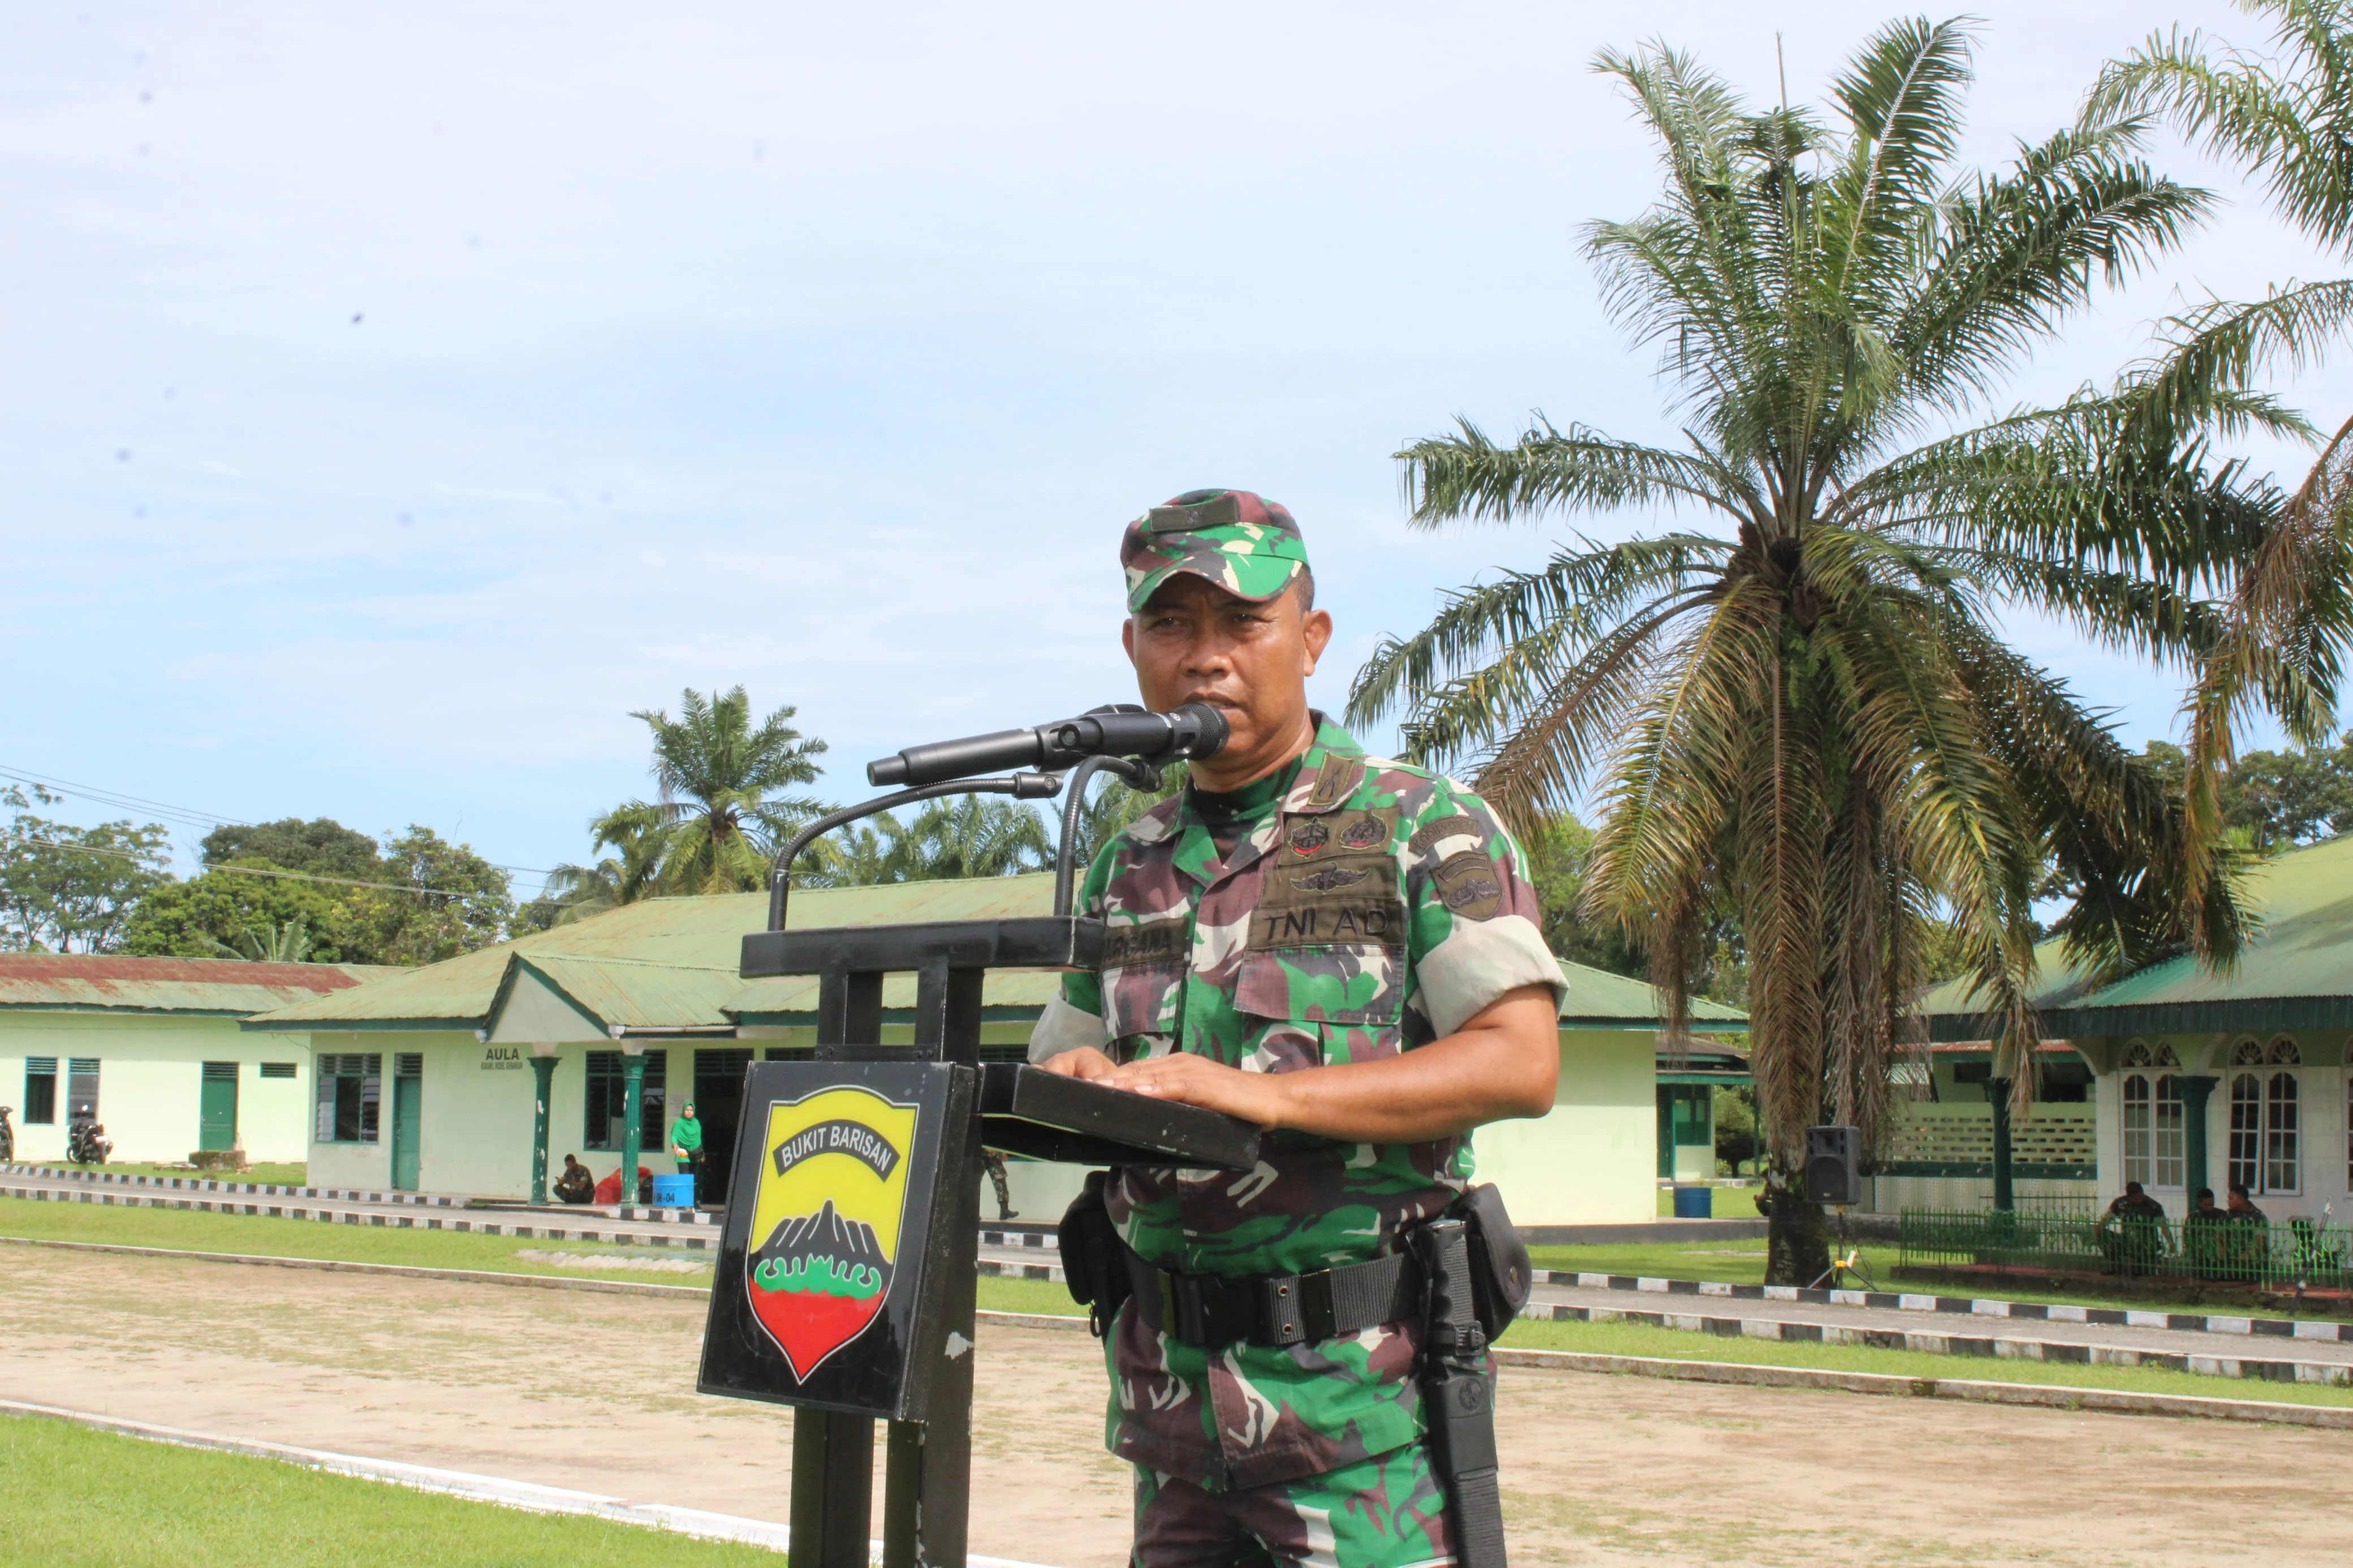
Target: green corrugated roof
672 963
657 963
217 987
1599 999
2297 973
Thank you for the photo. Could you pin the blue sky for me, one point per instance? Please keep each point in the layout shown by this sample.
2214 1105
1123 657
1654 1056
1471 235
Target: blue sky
397 400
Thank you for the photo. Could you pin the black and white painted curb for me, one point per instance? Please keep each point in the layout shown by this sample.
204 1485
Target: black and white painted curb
1970 1306
526 1495
102 1176
602 1235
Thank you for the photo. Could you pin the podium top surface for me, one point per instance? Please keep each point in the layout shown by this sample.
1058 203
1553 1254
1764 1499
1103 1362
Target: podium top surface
1026 1110
1028 941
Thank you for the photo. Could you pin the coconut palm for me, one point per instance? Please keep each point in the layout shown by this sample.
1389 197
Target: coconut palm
723 809
2287 118
1803 709
272 941
965 836
575 892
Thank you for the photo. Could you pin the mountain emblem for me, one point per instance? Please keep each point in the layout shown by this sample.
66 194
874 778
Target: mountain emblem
826 1220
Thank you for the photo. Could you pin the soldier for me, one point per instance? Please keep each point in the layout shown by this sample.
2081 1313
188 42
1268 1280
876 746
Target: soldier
1345 952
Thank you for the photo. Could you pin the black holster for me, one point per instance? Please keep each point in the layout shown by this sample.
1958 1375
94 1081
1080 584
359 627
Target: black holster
1457 1380
1095 1260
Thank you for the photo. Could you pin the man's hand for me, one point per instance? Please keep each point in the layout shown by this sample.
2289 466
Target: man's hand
1505 1061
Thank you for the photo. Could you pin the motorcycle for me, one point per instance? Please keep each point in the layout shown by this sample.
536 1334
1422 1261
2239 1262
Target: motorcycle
87 1143
7 1136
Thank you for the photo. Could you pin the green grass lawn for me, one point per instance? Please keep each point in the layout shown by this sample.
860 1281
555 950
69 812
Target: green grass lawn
291 1175
1723 1203
78 1497
1680 1344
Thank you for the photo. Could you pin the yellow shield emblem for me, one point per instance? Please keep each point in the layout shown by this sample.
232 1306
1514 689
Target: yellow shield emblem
826 1218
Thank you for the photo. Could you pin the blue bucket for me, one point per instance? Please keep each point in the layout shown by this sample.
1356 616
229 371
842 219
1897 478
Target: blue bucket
1690 1203
674 1192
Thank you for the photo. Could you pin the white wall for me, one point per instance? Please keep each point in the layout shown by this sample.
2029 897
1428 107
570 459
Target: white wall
150 1068
1595 1158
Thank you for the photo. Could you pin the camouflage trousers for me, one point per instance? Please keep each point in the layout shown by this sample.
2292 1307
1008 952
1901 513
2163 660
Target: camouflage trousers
1387 1512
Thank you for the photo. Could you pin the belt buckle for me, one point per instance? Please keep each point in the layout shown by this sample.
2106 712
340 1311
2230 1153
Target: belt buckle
1279 1321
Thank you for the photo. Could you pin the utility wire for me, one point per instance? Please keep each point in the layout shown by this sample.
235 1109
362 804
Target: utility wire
257 870
185 815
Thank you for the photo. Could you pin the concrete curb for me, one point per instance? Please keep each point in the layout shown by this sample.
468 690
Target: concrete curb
528 1496
2322 1330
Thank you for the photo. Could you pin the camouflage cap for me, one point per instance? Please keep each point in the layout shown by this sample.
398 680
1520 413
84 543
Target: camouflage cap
1245 545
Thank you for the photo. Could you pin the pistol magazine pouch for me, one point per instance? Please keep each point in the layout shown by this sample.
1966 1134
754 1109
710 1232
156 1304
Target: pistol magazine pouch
1094 1264
1501 1272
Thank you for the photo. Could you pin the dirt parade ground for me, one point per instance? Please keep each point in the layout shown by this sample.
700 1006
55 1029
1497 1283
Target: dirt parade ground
596 1392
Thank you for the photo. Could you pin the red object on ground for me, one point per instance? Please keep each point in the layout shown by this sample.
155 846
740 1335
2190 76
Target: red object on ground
608 1190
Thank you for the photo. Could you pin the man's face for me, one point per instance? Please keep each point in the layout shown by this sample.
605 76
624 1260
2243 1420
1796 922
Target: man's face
1195 642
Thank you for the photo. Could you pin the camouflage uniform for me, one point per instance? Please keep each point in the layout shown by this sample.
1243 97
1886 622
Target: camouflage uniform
1363 908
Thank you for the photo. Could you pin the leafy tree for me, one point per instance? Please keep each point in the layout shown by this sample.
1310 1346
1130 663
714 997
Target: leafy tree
65 888
1737 1140
2275 800
448 900
1807 716
723 811
230 904
321 847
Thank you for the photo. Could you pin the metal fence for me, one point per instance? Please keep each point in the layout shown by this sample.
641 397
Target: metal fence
2221 1251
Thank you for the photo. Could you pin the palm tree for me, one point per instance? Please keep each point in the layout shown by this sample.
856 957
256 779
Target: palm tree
2287 626
275 941
575 892
964 836
1807 714
722 812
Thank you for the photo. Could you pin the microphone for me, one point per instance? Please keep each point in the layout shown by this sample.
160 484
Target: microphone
1122 730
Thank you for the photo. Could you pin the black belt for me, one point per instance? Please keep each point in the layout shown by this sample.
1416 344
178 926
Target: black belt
1215 1309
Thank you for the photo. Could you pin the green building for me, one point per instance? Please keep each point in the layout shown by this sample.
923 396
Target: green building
427 1079
2175 1076
152 1047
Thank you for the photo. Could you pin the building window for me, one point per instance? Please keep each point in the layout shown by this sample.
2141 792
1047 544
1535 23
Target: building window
2172 1134
2280 1129
2138 1143
2265 1123
350 1087
609 1094
277 1070
40 1089
82 1087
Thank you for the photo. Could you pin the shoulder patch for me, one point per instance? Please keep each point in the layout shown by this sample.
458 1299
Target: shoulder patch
1335 781
1469 885
1429 833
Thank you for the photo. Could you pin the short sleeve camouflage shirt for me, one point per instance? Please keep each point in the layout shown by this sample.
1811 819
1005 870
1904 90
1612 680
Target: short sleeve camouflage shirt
1364 908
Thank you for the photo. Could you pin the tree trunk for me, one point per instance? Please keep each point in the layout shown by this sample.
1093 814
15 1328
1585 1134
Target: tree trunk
1797 1241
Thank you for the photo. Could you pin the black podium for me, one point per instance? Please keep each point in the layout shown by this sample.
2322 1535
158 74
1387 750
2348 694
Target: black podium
847 1267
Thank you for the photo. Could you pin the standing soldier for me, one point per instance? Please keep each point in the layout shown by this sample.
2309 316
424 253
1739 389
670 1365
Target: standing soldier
1345 952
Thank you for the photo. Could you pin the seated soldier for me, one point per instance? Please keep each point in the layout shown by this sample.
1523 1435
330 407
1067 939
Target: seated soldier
2132 1235
575 1186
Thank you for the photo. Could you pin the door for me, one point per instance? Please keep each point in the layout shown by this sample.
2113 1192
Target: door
407 1109
718 1103
217 1107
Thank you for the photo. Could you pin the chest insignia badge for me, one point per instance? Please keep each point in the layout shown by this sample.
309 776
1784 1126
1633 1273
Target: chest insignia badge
1364 833
1326 879
1309 837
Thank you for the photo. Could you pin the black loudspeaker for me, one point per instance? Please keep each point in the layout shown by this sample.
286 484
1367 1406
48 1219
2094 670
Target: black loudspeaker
1834 1165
